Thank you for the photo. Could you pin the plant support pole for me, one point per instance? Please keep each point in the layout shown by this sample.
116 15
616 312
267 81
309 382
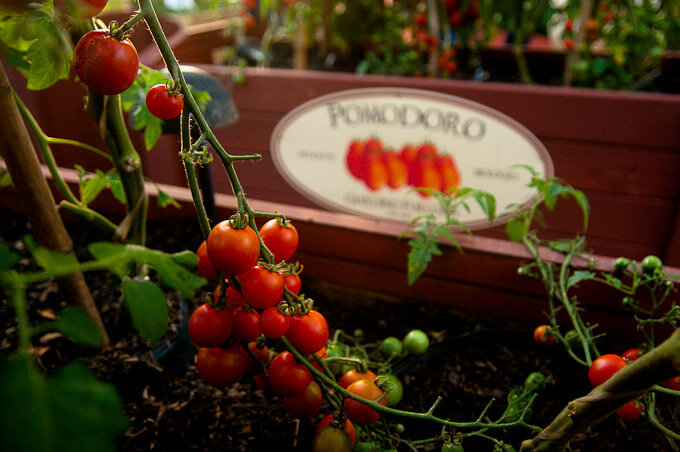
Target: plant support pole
23 165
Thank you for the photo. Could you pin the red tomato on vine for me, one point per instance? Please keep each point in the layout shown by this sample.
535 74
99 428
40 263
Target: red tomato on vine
205 266
231 250
349 427
107 65
287 377
353 375
162 104
308 332
209 327
280 240
219 367
293 283
359 412
261 287
273 323
245 325
604 367
304 405
81 9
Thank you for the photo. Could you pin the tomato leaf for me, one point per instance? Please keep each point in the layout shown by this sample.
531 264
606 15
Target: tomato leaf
517 228
152 132
579 276
48 259
70 410
165 200
75 324
148 308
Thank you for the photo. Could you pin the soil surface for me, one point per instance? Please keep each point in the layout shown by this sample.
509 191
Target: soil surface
472 360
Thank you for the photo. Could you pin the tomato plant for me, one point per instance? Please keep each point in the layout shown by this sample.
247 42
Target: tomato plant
353 375
245 325
209 327
273 323
604 367
393 387
391 347
359 412
543 336
205 266
162 104
306 404
348 427
220 367
232 250
81 9
416 342
331 439
650 265
631 411
104 63
288 377
293 283
262 354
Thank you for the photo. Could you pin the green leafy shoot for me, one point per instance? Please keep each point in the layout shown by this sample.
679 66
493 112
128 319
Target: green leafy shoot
134 101
91 185
148 308
579 276
428 231
548 190
36 46
75 324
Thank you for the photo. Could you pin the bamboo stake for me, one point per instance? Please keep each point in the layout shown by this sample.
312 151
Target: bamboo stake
22 162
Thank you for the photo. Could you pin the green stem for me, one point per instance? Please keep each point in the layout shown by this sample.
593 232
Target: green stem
15 288
190 171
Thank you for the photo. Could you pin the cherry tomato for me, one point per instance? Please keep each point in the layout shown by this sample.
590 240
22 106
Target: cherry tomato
308 332
358 412
261 353
416 342
105 64
219 367
162 104
631 411
306 404
233 251
245 325
631 354
293 283
651 265
260 287
542 335
349 427
673 383
273 323
232 299
288 377
208 327
331 439
81 9
353 375
391 346
205 267
450 176
620 265
604 367
396 392
452 447
281 240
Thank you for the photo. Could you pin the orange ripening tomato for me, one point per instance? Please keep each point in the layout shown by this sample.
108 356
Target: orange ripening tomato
450 176
374 171
427 176
397 171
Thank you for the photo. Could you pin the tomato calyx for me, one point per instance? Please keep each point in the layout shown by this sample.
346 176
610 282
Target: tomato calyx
239 220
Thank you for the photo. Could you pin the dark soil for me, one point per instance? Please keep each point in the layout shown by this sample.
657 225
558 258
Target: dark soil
473 359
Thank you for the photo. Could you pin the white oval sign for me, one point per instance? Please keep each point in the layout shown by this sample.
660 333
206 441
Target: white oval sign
363 151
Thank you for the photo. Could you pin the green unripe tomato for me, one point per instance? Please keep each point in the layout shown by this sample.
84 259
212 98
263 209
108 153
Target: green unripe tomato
651 265
395 394
620 265
399 428
331 439
391 346
452 447
416 342
364 446
535 381
571 337
628 302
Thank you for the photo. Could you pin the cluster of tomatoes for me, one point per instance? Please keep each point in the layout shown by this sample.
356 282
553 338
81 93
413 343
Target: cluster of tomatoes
414 165
109 64
260 301
425 43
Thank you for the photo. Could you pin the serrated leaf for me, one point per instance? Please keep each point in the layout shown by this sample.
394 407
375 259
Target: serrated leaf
579 276
561 246
91 187
75 324
117 188
616 282
582 201
516 229
148 308
420 256
187 259
69 411
115 256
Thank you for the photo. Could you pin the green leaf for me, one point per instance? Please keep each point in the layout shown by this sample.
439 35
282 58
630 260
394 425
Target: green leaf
561 246
92 186
50 260
152 133
75 324
8 258
117 188
517 228
187 259
582 201
148 308
579 276
69 411
165 200
115 256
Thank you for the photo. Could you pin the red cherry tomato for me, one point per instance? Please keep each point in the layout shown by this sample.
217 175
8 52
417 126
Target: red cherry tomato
604 367
308 332
162 104
273 323
358 412
208 327
232 299
353 375
81 9
233 251
631 411
293 283
631 354
105 64
219 367
262 354
245 325
306 404
542 335
288 377
397 171
281 240
673 383
260 287
205 267
349 427
355 154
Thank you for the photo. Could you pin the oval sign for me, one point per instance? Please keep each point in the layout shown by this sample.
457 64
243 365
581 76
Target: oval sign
353 151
